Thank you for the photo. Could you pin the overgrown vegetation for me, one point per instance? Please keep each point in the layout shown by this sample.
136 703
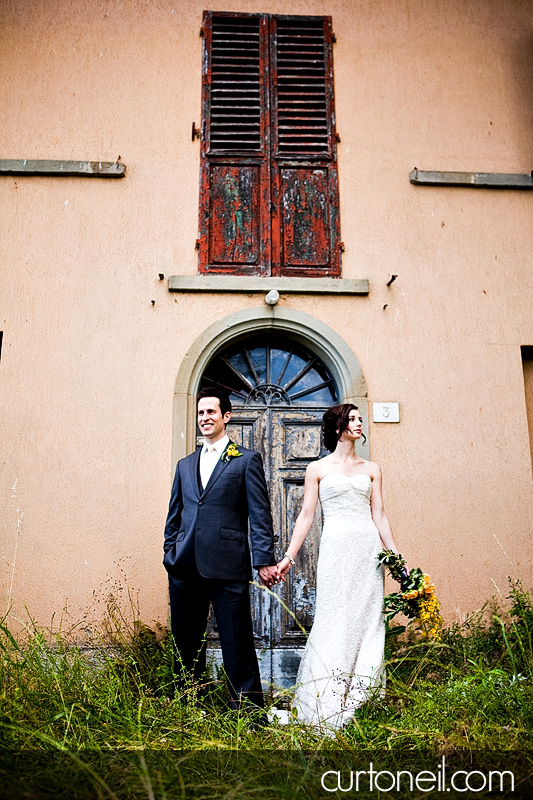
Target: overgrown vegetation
76 725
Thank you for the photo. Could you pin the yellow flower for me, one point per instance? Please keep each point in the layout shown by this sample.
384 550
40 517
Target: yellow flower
430 618
231 452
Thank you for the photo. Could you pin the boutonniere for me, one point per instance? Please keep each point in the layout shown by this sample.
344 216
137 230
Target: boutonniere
231 451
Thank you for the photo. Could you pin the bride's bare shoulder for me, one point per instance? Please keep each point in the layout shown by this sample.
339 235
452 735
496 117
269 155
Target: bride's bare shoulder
316 469
374 470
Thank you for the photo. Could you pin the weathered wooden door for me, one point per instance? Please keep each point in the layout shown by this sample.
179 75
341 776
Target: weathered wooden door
279 391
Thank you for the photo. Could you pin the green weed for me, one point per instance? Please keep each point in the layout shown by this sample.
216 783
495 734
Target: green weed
113 723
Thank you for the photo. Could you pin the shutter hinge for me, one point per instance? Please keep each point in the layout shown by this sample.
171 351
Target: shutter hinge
333 39
341 247
202 33
337 137
195 132
197 245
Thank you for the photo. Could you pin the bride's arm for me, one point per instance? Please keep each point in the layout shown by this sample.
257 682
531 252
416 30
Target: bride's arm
378 511
304 519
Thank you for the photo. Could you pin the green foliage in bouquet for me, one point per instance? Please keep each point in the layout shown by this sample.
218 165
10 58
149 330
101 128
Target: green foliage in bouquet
416 598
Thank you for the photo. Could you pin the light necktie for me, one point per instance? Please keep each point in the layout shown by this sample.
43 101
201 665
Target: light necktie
207 464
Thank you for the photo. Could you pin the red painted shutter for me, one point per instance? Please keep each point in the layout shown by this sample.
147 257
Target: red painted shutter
235 181
269 194
305 209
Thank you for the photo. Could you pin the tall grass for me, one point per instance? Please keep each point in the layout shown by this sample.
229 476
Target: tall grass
115 725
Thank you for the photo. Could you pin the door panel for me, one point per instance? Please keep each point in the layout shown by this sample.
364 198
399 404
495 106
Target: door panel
249 429
295 443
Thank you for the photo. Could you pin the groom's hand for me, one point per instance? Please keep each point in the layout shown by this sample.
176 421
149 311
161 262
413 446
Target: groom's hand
269 576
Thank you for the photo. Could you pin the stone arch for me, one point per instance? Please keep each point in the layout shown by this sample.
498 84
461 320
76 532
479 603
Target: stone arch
302 327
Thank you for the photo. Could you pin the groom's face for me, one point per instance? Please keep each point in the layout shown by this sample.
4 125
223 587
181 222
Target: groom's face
211 422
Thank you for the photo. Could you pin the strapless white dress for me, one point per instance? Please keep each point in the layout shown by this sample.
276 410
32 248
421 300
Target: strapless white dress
343 661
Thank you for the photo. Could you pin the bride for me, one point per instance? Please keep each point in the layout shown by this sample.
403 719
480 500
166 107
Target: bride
342 664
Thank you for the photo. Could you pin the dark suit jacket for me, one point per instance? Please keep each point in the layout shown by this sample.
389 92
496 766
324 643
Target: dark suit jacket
215 521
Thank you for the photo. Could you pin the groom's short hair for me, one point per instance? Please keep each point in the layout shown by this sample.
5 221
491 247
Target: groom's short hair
214 391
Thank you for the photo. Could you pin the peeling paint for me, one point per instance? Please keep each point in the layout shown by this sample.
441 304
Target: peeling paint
304 596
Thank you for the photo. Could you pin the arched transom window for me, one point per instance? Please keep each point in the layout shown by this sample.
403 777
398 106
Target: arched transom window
271 371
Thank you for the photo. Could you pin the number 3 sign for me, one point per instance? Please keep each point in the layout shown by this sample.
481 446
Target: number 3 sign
386 412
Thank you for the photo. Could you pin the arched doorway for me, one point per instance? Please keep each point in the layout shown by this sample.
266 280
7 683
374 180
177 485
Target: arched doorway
280 382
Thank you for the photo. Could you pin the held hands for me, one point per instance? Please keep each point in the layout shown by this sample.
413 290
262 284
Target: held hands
269 575
274 574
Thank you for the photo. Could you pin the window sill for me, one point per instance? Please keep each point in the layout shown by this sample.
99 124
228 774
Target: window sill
252 285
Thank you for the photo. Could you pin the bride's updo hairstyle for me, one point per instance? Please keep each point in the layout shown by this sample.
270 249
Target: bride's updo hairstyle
334 422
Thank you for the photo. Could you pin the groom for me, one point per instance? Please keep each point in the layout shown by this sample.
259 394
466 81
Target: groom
218 492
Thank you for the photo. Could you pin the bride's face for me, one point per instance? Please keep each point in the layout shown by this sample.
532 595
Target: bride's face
354 430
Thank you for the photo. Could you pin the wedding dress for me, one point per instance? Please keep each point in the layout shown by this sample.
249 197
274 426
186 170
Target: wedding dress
342 665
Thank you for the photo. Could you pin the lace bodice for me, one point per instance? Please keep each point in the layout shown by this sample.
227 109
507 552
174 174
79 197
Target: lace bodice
344 496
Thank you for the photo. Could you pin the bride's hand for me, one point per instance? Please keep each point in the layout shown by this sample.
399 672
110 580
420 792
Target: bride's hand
405 570
283 568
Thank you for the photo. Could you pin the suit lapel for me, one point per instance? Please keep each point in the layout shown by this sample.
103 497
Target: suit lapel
194 471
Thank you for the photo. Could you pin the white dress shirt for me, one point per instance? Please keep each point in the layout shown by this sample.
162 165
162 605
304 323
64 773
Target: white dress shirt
209 458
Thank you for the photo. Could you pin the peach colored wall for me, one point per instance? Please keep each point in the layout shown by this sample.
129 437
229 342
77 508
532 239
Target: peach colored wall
89 364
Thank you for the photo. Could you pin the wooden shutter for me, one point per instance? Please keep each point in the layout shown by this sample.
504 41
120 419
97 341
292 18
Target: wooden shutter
235 184
269 193
304 173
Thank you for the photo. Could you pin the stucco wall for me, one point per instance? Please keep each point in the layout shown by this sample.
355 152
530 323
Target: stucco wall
89 364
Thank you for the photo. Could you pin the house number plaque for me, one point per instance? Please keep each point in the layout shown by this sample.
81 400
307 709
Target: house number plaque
386 412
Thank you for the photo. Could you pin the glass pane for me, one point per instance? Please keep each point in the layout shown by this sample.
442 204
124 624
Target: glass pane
296 364
258 359
278 360
321 397
236 399
307 381
238 361
312 380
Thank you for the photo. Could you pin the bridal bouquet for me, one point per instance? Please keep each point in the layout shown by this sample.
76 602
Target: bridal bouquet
416 598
